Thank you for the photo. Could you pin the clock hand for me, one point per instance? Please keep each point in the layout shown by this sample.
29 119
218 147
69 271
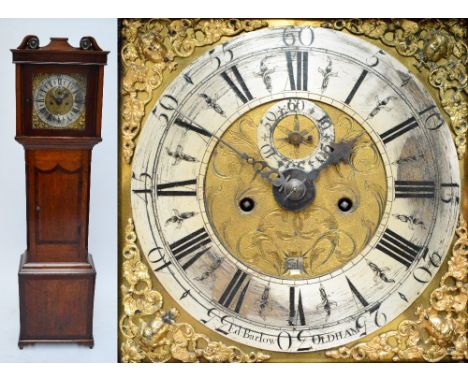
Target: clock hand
270 174
297 127
338 152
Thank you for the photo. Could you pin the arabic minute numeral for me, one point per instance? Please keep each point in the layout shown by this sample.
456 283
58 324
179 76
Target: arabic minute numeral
223 58
380 319
303 342
449 199
298 37
432 119
168 103
284 340
422 274
212 313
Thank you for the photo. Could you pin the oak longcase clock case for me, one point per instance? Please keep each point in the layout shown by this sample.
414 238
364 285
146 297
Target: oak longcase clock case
59 101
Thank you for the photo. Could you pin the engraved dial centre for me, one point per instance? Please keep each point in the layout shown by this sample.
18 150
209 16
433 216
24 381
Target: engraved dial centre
305 227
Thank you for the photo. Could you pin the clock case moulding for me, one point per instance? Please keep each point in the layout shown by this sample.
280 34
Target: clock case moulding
57 274
151 329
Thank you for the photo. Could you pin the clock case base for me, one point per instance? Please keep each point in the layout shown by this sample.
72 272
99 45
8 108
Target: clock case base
56 302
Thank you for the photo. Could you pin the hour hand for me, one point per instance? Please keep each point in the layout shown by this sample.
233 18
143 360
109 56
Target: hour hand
337 152
340 151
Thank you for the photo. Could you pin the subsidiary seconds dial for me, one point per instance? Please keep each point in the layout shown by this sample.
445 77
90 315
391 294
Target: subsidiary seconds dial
295 133
277 203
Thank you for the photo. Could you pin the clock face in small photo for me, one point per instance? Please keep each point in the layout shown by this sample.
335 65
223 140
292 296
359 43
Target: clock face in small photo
59 101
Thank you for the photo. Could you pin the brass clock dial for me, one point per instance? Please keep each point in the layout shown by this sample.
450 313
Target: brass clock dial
59 101
295 189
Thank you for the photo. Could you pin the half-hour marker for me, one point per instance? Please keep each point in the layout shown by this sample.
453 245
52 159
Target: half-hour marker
398 248
195 245
296 313
164 189
356 293
299 80
243 92
356 87
399 130
237 286
403 297
191 126
326 303
414 189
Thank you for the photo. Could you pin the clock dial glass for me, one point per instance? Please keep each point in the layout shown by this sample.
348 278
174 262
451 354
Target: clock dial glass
59 101
295 189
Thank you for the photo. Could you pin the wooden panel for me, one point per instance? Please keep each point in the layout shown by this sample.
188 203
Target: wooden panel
58 197
58 193
56 305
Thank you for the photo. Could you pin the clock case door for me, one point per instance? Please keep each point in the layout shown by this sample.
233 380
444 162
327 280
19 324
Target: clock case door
57 274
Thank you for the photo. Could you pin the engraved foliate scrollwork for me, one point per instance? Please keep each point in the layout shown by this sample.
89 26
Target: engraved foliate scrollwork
149 49
440 329
150 333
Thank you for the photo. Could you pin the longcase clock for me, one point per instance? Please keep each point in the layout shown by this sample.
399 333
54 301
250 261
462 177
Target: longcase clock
59 101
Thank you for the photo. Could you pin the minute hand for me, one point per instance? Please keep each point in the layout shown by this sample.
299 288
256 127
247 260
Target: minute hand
268 173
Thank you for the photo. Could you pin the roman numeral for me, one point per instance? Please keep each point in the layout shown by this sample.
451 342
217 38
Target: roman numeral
191 126
233 288
163 188
356 87
298 81
414 189
398 248
295 312
243 93
194 245
356 293
399 130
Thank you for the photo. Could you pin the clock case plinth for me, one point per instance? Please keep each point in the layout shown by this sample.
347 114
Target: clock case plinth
57 274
